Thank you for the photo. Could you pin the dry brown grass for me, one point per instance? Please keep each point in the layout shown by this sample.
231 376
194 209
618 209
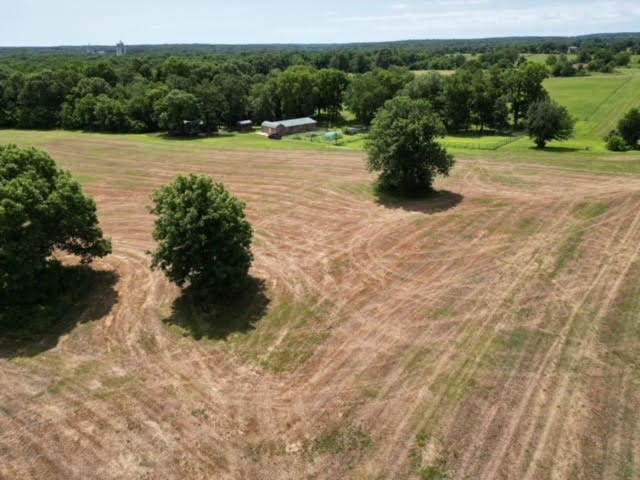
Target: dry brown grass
492 332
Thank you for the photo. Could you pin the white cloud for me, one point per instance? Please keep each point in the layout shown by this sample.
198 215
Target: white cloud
487 19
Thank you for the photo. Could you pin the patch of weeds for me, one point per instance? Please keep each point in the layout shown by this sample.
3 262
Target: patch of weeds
294 351
146 463
508 180
438 471
55 388
360 189
441 312
269 449
435 470
111 383
422 438
370 393
526 227
568 250
589 211
287 336
86 368
200 414
343 440
416 360
339 267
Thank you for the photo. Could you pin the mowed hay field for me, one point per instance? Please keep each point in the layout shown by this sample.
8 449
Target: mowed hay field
492 332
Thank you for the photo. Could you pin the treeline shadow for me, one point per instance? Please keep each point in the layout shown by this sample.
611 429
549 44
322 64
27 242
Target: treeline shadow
559 149
191 138
428 203
83 296
217 320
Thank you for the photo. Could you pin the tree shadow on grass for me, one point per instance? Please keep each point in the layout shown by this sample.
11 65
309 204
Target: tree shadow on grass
429 203
191 138
559 149
84 296
219 320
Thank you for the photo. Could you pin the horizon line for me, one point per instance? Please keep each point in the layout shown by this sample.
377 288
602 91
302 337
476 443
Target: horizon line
329 44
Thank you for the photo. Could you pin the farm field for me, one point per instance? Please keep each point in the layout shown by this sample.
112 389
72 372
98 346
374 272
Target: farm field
491 332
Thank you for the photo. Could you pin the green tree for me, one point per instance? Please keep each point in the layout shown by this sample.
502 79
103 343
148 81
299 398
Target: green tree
212 103
428 87
265 101
546 120
331 84
104 70
42 210
176 108
40 101
629 128
458 93
524 87
203 237
403 146
368 92
110 115
235 88
298 90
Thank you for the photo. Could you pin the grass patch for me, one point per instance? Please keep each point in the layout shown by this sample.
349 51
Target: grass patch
438 471
526 227
568 249
434 470
339 441
473 141
589 211
299 322
442 312
278 336
416 361
361 189
584 213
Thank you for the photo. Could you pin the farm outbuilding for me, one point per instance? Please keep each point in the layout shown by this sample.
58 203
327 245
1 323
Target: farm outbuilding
288 127
245 125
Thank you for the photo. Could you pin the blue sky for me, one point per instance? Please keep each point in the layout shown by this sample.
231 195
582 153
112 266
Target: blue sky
74 22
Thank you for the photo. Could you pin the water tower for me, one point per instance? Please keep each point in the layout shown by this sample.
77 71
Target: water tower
121 50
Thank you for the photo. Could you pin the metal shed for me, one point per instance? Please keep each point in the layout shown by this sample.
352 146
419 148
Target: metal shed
288 127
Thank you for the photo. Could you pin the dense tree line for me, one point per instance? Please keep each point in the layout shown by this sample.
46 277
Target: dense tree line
603 60
141 95
202 89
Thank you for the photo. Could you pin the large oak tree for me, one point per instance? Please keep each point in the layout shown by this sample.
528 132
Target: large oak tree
403 146
42 209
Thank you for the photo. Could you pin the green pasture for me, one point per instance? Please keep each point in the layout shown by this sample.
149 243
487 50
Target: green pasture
597 102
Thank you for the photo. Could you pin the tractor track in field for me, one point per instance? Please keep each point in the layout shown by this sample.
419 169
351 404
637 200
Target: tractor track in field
446 320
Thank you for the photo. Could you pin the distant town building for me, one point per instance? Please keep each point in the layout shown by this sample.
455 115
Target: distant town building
121 50
571 50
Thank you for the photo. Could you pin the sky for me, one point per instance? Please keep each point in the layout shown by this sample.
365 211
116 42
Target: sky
75 22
